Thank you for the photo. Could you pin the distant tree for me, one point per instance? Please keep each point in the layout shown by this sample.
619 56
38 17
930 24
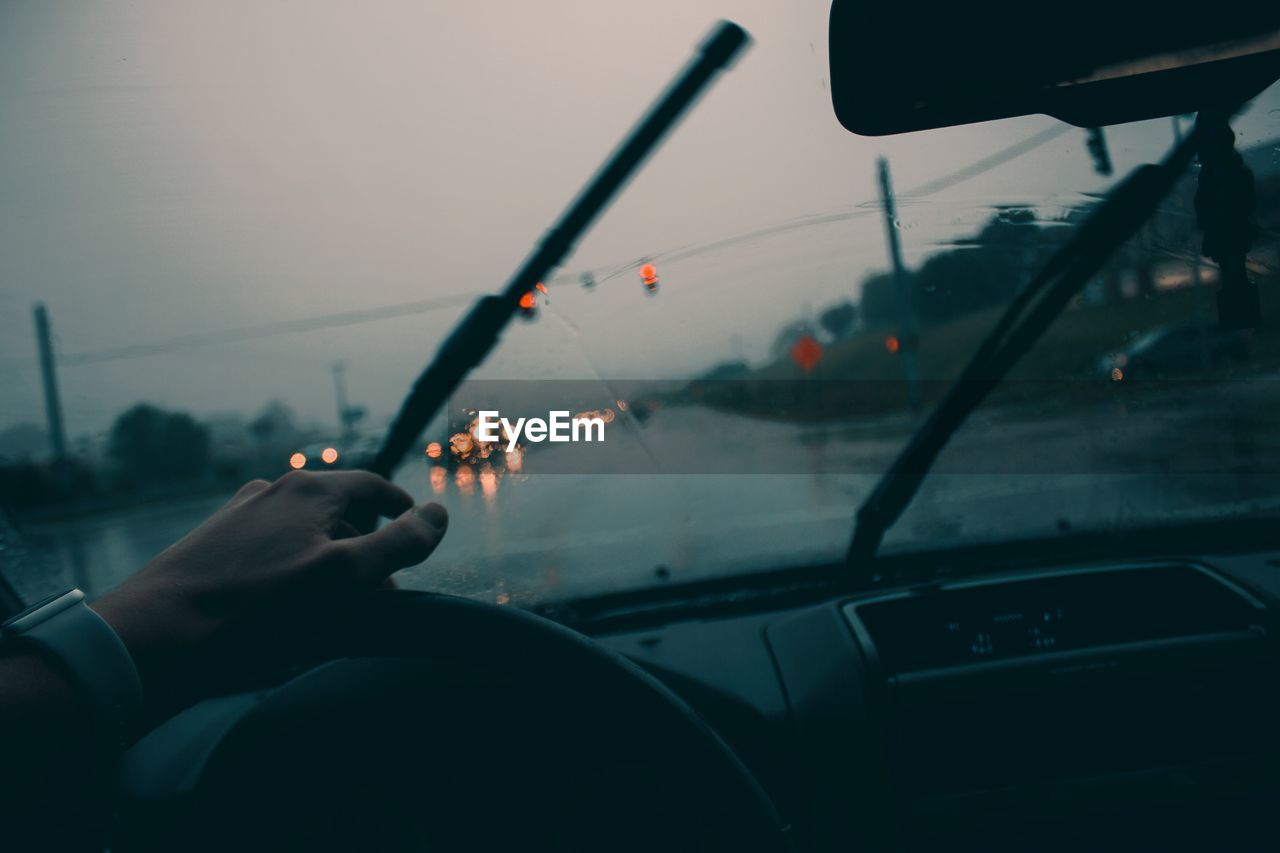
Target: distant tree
29 484
789 334
952 283
150 445
23 441
988 269
727 370
983 270
275 423
879 304
838 320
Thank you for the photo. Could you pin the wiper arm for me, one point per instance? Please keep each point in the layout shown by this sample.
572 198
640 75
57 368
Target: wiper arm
471 341
1029 314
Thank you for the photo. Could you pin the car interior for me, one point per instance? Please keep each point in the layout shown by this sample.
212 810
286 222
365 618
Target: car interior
976 700
1117 689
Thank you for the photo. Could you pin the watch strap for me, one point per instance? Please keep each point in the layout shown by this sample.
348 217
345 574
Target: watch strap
94 658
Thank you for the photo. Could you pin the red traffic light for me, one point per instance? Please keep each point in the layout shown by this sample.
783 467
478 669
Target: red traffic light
649 277
529 306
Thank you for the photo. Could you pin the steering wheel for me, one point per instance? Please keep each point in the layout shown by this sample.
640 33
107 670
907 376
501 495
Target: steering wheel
440 723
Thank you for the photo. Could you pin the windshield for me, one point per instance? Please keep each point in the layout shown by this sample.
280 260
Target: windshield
249 226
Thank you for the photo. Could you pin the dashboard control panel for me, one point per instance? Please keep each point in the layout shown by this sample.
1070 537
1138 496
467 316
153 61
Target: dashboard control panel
966 623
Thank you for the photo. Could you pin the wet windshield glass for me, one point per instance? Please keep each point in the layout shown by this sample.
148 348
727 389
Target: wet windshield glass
251 226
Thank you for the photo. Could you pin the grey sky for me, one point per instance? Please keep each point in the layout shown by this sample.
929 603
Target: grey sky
175 167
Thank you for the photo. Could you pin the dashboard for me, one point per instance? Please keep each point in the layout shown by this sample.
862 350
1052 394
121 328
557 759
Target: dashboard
969 623
1097 705
1122 706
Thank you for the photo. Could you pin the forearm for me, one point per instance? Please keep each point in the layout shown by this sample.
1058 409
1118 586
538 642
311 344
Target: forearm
222 607
59 761
50 737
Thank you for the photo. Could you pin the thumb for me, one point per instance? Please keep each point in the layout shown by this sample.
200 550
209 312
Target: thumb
406 541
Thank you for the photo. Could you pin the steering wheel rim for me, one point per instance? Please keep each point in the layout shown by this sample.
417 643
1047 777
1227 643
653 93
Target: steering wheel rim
513 646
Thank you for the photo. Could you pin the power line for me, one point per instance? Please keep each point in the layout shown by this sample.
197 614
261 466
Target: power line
265 330
602 274
937 185
986 164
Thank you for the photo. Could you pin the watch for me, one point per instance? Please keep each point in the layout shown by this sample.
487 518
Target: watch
88 651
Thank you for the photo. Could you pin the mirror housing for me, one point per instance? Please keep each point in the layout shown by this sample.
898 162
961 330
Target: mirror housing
900 67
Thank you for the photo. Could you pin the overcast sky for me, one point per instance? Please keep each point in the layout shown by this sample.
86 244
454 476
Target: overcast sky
169 168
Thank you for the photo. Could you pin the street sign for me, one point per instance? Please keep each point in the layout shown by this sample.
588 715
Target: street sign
806 352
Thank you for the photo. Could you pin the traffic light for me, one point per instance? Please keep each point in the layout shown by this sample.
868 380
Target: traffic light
1096 142
649 277
528 306
529 302
588 281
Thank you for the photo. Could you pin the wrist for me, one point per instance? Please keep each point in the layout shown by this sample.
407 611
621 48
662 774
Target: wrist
82 647
160 631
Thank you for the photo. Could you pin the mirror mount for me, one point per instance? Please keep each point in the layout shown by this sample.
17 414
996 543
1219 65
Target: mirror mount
1224 204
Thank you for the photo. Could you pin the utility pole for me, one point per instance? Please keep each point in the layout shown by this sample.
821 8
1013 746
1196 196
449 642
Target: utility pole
906 322
340 392
52 403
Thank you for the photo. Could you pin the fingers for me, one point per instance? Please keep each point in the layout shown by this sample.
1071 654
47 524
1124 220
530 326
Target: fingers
344 530
406 541
248 490
357 488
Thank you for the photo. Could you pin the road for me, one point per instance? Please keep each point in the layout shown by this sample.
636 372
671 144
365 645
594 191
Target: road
695 493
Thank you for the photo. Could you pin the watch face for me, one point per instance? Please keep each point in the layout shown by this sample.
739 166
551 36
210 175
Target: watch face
16 622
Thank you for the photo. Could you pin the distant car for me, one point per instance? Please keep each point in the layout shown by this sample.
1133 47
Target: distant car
1173 350
318 456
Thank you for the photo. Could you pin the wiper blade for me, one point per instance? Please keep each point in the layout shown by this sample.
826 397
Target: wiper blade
471 341
1030 313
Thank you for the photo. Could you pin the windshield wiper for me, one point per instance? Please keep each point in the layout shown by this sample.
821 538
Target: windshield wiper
1030 313
475 336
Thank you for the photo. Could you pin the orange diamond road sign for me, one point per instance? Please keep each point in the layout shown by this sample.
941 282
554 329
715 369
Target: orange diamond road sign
806 352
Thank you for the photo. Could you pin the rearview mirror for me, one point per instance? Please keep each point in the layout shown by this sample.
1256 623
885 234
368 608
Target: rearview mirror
898 67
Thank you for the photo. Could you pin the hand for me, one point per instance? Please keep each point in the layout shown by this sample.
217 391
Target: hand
283 554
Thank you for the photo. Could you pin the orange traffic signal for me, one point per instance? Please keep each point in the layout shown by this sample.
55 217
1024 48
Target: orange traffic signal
892 344
649 277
